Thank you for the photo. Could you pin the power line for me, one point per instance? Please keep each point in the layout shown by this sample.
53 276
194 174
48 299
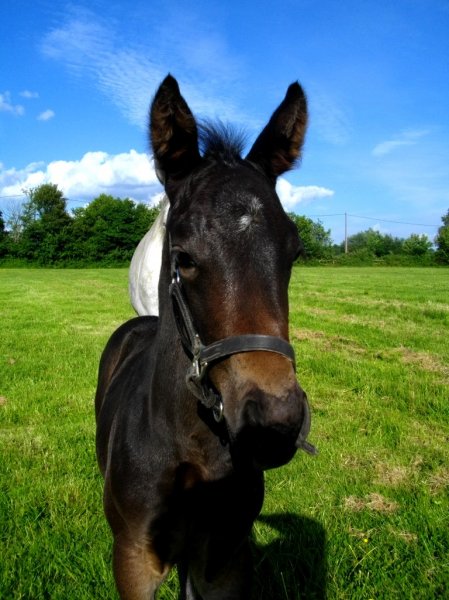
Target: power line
334 215
375 219
397 222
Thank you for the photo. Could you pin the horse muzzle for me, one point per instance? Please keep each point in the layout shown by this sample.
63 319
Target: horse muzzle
271 429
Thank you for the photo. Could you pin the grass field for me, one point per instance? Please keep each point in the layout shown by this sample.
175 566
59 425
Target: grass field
366 519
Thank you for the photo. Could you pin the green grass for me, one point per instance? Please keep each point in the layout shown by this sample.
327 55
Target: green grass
367 518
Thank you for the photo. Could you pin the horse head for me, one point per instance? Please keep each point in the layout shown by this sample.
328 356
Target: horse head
229 250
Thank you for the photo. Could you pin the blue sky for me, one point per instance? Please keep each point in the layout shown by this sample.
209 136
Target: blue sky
76 80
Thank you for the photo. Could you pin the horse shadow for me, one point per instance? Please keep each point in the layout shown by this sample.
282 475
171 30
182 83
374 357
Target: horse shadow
293 566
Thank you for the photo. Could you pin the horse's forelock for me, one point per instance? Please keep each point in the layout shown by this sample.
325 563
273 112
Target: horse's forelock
221 142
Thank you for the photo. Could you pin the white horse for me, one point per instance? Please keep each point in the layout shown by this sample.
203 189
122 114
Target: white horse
145 267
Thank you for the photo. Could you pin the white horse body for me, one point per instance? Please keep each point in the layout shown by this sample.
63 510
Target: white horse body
145 267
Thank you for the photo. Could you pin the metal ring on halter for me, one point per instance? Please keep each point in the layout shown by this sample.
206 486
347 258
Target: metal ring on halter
217 411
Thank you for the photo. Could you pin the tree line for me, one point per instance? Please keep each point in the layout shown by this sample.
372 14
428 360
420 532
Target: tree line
371 246
107 231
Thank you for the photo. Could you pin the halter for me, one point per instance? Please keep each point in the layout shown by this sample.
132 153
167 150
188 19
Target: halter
203 357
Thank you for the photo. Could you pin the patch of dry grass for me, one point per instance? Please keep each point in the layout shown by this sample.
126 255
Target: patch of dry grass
327 342
439 481
425 361
374 501
392 475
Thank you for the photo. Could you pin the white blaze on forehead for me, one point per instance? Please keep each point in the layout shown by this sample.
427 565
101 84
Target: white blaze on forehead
253 207
145 268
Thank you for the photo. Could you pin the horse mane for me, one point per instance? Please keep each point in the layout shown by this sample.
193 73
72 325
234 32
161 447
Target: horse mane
221 142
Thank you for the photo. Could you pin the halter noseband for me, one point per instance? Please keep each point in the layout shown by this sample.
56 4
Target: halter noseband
203 357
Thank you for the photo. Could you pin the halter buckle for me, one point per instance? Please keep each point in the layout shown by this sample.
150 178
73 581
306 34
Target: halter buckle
198 369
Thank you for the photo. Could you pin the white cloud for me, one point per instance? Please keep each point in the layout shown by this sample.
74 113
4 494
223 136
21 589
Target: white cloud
130 174
128 75
388 146
6 105
29 95
292 195
46 115
86 47
406 138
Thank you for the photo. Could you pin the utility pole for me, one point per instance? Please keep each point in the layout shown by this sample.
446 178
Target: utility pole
346 233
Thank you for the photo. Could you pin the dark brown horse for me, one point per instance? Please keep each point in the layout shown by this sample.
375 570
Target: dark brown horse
192 406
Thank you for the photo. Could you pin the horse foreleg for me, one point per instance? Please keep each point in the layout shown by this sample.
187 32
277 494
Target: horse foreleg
138 571
187 590
231 582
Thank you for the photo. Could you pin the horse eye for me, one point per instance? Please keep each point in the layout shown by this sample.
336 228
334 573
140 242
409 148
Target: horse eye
185 261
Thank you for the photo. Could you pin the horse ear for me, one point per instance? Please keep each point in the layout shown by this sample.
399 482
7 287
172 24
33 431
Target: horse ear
279 144
173 133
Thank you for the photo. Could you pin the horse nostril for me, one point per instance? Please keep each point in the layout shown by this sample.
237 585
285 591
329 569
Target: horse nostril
253 413
263 410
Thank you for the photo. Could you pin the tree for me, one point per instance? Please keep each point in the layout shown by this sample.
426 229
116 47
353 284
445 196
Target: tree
46 203
374 243
46 225
316 240
109 229
442 240
417 245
